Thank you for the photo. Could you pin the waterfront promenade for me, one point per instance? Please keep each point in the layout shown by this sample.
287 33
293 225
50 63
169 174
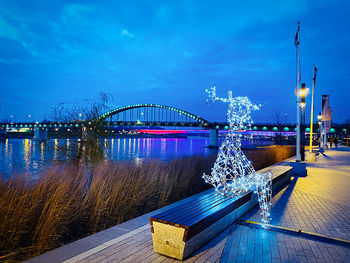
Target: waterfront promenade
318 203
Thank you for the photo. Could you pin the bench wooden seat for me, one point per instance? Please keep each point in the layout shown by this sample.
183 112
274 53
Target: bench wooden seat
179 231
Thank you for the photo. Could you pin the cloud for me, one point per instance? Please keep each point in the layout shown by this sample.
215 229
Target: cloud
127 33
76 13
8 31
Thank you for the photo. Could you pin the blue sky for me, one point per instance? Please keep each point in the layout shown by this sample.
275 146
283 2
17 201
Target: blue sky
169 52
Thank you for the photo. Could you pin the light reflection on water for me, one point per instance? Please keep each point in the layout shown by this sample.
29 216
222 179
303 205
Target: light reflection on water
28 156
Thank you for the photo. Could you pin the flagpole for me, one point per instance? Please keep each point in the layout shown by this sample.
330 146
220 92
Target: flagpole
298 96
312 108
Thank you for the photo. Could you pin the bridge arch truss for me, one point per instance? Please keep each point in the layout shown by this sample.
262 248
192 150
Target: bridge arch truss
151 113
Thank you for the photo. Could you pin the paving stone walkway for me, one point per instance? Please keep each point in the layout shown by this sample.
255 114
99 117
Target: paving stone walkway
317 203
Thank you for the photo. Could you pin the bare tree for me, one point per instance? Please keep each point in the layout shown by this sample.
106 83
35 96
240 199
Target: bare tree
89 146
277 117
276 114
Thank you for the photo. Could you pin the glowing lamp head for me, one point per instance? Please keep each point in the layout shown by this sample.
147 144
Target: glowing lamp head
303 92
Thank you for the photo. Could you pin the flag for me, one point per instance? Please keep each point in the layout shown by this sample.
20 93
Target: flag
296 40
315 73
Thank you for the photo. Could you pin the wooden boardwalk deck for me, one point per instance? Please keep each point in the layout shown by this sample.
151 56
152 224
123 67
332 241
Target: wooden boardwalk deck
136 246
318 203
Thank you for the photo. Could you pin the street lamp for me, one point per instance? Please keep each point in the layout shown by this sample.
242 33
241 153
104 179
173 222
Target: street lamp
303 92
319 118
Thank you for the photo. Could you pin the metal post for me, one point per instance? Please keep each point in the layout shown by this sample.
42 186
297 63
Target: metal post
319 117
312 108
302 126
298 96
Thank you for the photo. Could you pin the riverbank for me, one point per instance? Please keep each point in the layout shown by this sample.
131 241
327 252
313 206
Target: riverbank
67 202
318 203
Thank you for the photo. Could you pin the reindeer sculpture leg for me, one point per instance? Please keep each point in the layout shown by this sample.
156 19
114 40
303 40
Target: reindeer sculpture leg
263 189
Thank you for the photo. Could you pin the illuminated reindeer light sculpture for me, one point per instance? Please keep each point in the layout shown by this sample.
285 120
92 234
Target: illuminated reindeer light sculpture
232 173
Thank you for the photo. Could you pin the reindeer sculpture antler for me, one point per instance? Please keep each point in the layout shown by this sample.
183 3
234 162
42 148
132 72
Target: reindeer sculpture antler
240 108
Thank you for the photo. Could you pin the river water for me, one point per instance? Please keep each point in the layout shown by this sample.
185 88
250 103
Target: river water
25 156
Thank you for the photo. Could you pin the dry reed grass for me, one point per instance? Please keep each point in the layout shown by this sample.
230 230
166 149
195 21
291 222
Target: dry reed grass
63 205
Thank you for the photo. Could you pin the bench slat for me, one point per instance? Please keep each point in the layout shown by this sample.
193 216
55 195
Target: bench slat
184 205
189 222
186 221
196 208
203 222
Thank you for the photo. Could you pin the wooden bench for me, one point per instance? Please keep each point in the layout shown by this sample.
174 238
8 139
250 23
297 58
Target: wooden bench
181 230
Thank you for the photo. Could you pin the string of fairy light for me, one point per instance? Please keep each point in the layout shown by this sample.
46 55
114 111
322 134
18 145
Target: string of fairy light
232 173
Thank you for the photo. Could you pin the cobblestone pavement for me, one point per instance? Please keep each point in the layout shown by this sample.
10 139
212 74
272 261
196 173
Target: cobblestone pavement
317 203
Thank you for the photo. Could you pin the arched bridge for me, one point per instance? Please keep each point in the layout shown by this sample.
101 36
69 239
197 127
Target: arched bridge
130 115
152 114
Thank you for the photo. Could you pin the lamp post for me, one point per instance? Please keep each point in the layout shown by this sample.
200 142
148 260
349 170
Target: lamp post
297 43
312 108
319 117
302 126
